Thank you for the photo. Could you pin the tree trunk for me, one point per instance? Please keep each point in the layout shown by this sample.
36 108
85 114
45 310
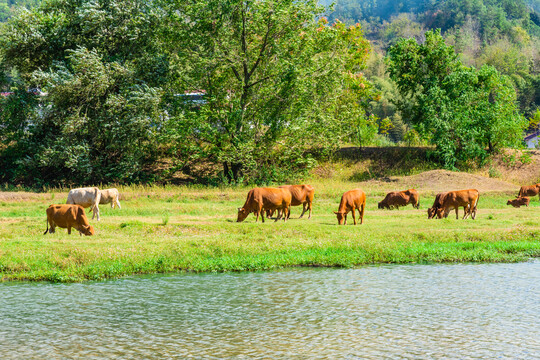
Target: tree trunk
490 146
232 172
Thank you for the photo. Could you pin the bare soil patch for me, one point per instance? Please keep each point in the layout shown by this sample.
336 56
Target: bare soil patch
443 180
19 196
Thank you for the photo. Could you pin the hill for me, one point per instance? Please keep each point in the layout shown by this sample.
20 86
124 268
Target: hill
501 33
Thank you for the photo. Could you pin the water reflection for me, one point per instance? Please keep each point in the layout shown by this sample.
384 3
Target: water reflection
435 311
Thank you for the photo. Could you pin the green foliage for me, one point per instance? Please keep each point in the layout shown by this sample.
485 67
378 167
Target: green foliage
99 67
280 86
467 113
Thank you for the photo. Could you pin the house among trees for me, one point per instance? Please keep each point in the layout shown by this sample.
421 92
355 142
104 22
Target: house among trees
532 140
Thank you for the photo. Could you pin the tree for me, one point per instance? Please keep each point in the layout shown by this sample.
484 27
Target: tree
279 84
100 70
467 113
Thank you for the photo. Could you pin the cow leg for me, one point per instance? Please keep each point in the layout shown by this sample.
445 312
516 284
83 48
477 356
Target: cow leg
466 212
69 230
279 214
362 214
354 215
345 220
309 205
304 209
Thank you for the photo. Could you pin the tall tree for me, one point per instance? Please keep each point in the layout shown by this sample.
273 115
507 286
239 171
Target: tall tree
277 83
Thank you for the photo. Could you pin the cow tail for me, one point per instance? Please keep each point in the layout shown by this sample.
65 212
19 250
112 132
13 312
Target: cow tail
47 226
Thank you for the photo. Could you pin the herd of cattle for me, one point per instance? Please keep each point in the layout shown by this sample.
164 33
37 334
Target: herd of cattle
265 202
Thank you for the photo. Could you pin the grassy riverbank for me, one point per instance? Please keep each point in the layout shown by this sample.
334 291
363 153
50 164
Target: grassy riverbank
194 229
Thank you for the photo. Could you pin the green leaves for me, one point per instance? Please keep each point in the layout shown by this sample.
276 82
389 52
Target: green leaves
467 113
275 80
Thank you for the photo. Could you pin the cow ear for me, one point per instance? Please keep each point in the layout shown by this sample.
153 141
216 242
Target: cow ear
239 209
336 212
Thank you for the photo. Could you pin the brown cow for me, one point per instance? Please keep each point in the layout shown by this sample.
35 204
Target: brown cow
301 195
518 202
400 198
437 204
455 199
68 216
351 201
531 190
260 199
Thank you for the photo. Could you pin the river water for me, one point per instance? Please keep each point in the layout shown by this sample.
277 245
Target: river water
472 311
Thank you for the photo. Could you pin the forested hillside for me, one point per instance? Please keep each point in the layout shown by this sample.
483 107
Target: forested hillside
501 33
8 7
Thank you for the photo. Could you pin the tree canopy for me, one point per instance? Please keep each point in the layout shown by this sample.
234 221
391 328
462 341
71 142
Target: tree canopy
279 86
466 112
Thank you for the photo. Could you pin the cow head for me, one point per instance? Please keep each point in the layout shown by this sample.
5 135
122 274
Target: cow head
417 206
441 213
509 202
242 214
381 205
340 217
87 230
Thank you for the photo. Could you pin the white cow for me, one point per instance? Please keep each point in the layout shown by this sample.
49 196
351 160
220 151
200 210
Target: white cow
110 196
86 197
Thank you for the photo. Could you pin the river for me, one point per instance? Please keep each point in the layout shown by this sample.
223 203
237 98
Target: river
476 311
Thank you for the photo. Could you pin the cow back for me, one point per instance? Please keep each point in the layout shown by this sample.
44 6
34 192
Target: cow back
352 199
86 197
63 214
108 195
300 194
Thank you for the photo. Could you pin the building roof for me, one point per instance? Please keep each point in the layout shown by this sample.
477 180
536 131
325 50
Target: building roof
531 136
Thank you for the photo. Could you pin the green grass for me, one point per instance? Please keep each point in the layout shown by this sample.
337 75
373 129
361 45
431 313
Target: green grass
167 229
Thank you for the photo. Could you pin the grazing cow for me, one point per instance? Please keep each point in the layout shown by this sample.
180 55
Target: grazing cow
110 196
68 216
531 190
437 204
455 199
260 199
86 197
518 202
301 195
351 201
400 198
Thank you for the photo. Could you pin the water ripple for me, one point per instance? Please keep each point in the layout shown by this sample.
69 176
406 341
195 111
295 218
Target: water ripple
409 312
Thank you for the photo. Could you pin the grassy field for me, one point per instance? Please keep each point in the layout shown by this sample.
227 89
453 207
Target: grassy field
166 229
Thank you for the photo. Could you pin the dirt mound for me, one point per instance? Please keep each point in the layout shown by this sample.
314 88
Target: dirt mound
444 180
